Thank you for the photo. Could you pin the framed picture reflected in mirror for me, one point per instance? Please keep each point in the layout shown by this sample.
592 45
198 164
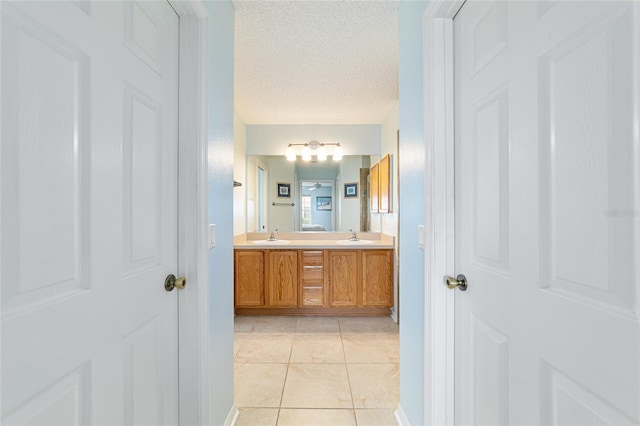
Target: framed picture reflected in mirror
351 190
284 190
323 203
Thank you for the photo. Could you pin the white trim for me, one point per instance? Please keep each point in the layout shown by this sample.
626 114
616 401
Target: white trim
232 417
264 190
401 417
439 211
193 308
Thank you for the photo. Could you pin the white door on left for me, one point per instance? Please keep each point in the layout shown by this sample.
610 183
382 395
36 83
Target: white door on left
88 172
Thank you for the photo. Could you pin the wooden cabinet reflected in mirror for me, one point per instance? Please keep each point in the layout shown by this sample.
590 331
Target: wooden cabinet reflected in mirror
374 193
380 186
384 188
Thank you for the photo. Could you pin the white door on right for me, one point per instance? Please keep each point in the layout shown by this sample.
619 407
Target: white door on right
547 222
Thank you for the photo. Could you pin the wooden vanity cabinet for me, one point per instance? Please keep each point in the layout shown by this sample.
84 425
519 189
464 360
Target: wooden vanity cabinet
361 278
266 278
314 282
249 278
282 278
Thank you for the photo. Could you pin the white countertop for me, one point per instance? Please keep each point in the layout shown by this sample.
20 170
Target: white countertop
313 240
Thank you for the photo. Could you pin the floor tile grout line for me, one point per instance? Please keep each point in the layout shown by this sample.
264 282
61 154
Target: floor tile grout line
284 383
346 367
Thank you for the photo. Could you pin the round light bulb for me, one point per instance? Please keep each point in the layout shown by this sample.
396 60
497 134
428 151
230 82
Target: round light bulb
290 153
322 153
337 153
306 154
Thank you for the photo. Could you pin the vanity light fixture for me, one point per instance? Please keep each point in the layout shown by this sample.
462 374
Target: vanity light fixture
290 153
337 153
322 153
306 153
314 148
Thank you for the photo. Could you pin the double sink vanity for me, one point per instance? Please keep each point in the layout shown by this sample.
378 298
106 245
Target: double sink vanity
313 273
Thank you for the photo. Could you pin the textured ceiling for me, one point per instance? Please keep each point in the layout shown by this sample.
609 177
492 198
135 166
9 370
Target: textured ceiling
315 62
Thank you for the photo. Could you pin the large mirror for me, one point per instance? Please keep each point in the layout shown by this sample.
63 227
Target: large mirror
303 196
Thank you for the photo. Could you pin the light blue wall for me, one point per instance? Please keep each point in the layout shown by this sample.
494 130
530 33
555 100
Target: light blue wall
314 173
221 29
412 162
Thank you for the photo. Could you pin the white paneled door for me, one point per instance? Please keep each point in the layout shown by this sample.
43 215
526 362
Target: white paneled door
547 212
89 213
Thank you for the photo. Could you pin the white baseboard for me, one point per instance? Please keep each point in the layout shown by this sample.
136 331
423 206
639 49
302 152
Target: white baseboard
232 417
400 416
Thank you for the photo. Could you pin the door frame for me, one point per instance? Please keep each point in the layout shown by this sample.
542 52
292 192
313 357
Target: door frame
260 198
193 306
439 211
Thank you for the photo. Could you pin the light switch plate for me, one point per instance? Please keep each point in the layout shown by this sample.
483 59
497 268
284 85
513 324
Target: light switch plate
212 235
421 237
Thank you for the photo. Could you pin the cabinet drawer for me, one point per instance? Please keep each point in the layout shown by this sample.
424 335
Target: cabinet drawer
312 296
312 275
312 258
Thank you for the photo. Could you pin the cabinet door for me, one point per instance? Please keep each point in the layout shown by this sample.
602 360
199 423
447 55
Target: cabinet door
374 194
384 180
377 278
343 278
249 277
282 278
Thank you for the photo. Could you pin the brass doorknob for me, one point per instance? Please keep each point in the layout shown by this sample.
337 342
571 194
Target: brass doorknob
172 282
459 282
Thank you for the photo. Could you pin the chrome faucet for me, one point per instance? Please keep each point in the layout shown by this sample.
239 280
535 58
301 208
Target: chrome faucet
354 237
272 237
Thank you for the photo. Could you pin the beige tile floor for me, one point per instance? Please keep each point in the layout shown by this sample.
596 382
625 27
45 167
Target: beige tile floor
316 371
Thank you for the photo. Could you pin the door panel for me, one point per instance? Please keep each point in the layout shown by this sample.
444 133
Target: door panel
142 137
490 370
89 216
491 176
547 212
585 253
43 157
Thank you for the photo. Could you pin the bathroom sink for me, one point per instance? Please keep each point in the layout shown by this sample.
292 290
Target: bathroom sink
275 242
354 243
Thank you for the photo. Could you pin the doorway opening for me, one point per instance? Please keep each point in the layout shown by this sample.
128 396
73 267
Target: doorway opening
317 205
